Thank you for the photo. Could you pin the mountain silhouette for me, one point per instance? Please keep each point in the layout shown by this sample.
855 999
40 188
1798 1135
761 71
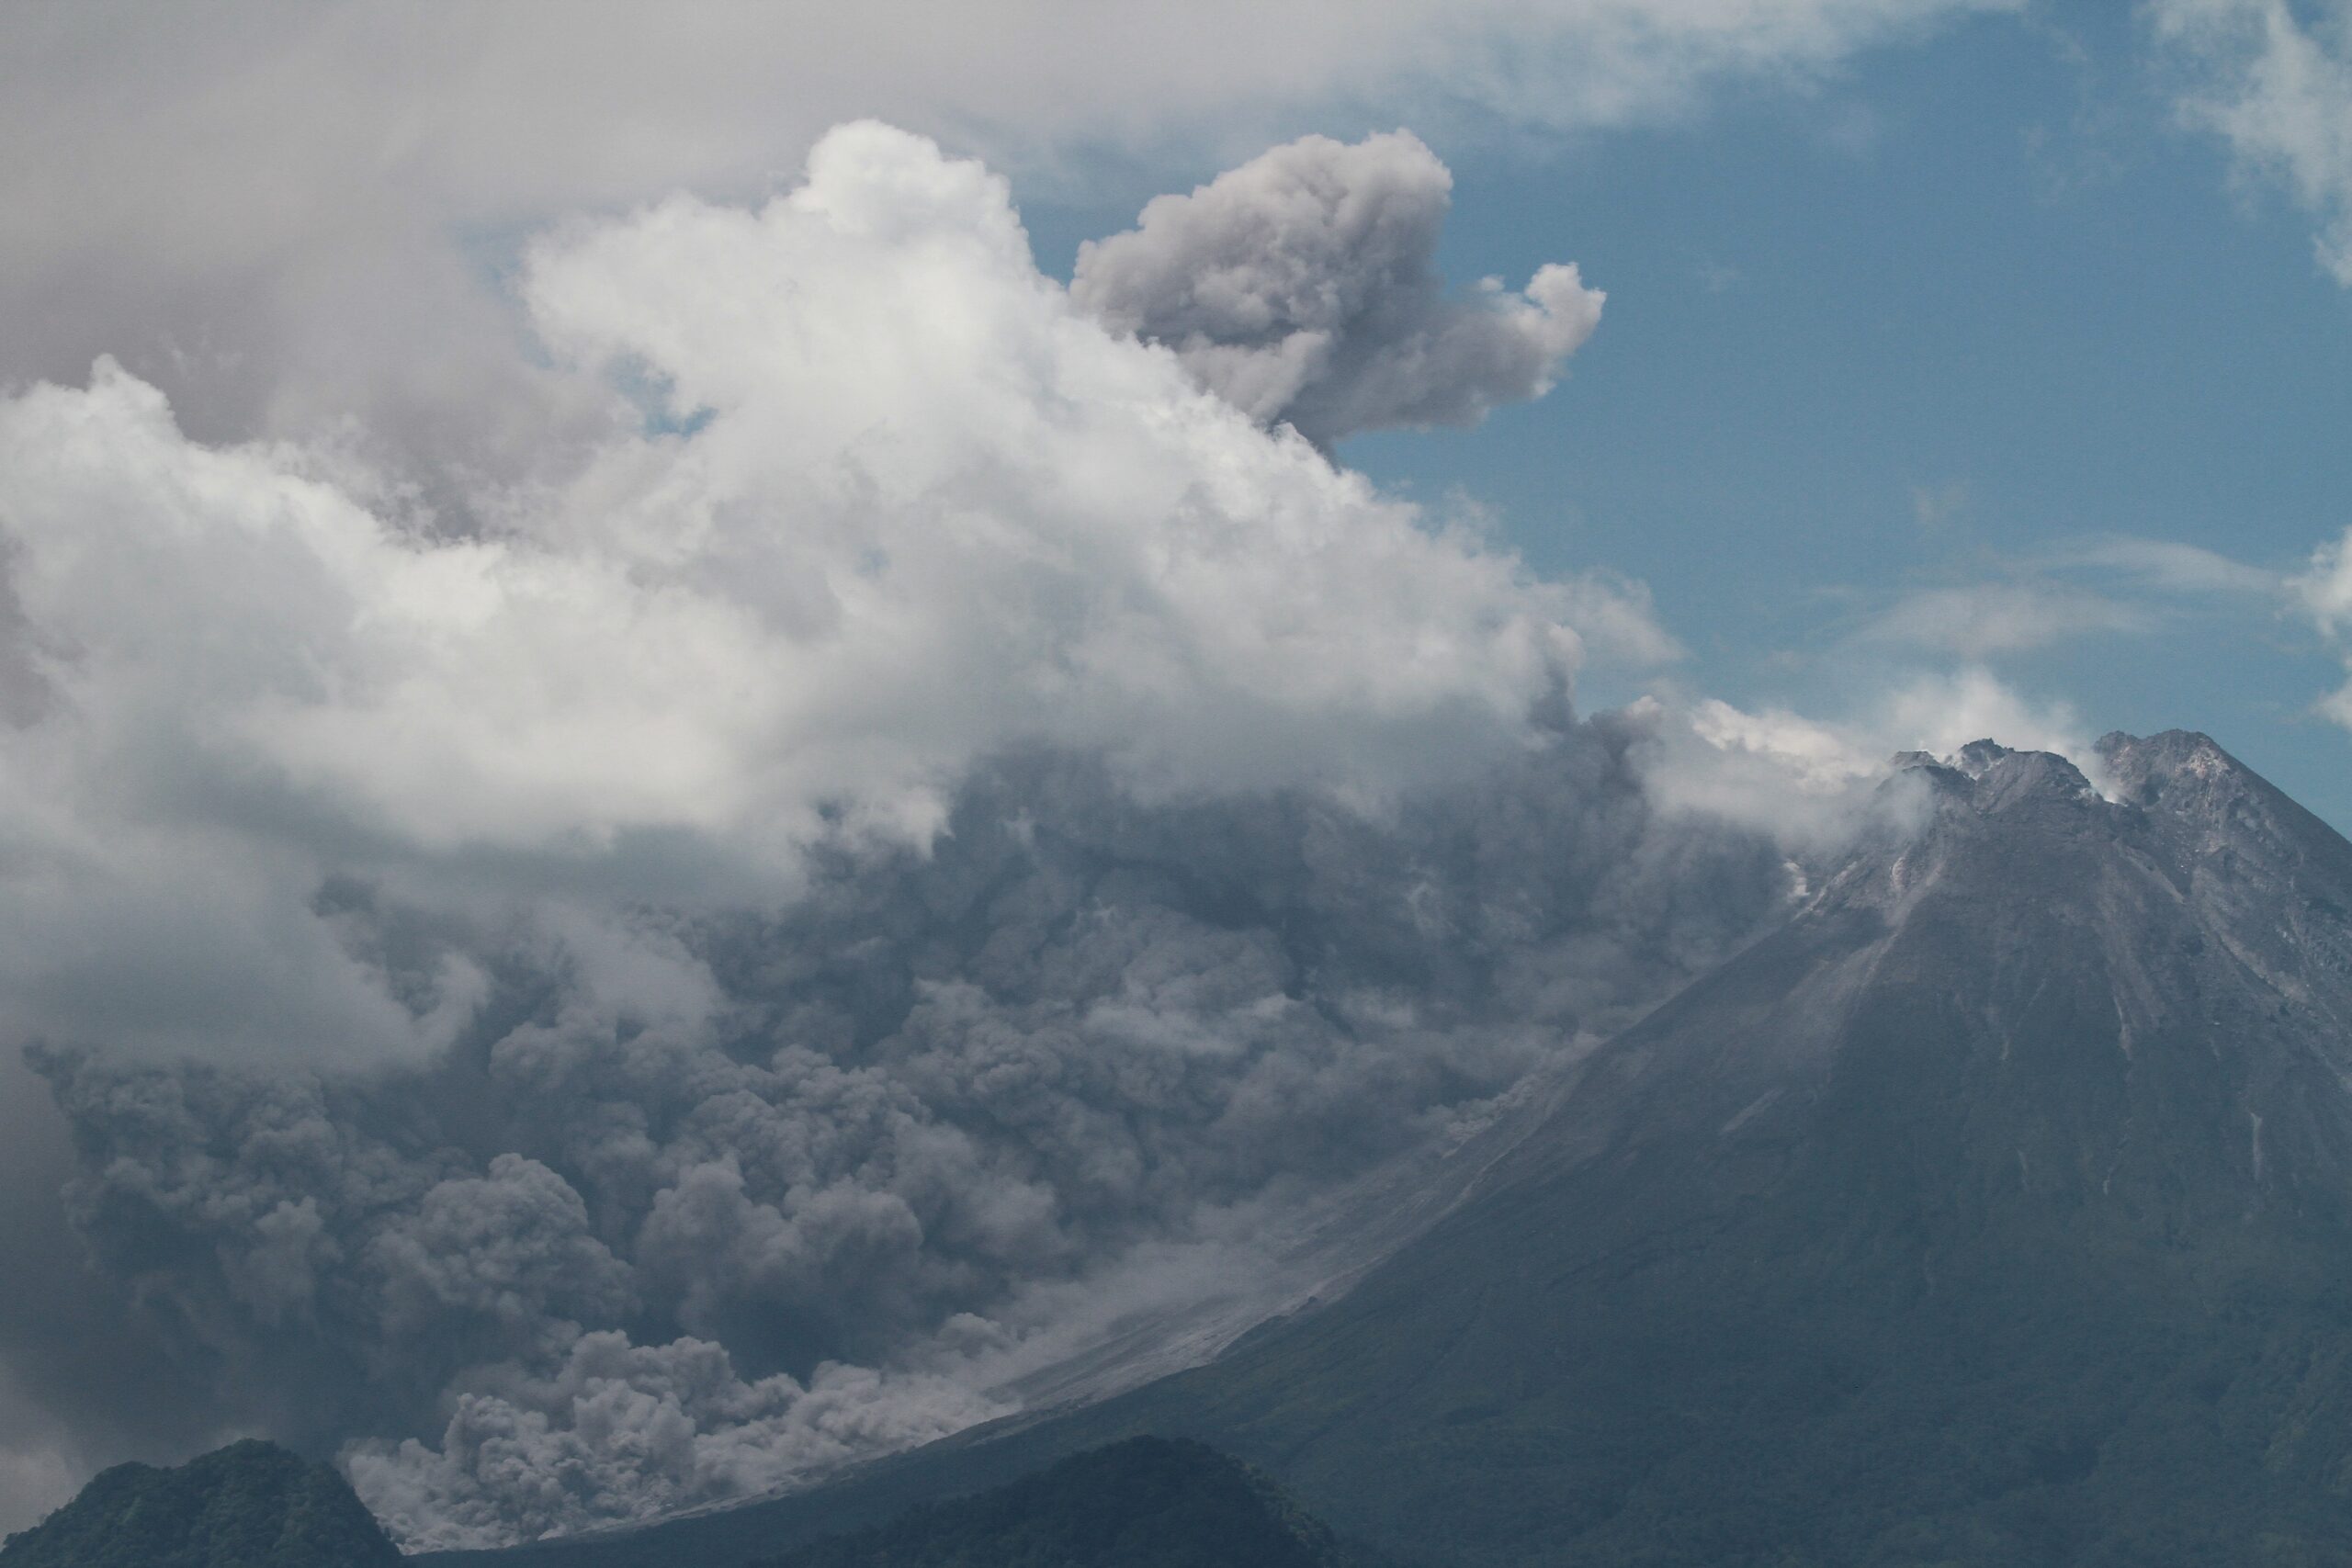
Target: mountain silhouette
252 1505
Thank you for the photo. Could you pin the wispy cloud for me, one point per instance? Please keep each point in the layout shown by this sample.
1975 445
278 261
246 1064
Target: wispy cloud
1934 505
1979 620
2168 566
2322 593
2279 89
2115 585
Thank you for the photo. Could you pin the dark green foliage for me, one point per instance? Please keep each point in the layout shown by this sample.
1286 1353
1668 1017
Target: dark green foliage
1145 1502
252 1505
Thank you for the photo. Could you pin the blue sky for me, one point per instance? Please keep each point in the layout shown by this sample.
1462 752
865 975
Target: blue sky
1973 306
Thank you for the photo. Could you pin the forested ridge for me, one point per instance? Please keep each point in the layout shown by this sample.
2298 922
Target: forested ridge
252 1505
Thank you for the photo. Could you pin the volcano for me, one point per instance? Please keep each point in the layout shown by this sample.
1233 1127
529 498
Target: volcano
1993 1209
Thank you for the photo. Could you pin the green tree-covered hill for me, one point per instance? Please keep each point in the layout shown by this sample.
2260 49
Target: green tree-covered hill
252 1505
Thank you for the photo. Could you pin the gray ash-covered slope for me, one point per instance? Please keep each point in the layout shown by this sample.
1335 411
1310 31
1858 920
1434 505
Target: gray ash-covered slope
1995 1209
252 1505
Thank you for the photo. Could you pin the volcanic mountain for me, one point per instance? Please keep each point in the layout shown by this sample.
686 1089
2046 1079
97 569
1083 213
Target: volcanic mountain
1996 1209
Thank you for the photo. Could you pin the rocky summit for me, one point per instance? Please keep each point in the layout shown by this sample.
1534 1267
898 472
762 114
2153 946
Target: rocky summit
1996 1209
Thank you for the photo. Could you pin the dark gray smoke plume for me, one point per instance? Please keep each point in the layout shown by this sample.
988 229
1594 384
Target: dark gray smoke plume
1303 287
895 875
598 1262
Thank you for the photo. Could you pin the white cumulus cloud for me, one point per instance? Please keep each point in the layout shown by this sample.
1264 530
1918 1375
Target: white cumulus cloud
927 509
1807 781
282 212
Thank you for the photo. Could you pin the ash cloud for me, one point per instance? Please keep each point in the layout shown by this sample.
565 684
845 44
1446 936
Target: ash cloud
726 967
475 859
926 510
598 1262
279 284
617 1431
1303 288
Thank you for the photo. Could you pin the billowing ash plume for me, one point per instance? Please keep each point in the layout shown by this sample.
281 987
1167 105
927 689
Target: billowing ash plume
899 505
1303 287
603 1258
912 850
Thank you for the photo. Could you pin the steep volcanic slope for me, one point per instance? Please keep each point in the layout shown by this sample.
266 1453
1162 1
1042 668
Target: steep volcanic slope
1998 1210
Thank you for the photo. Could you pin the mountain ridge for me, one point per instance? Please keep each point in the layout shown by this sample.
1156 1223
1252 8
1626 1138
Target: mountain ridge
1993 1209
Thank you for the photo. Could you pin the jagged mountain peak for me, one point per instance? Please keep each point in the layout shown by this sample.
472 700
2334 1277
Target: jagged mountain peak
1987 765
2188 887
1984 778
2136 758
1978 757
2214 805
2268 880
2020 1162
2000 812
2185 777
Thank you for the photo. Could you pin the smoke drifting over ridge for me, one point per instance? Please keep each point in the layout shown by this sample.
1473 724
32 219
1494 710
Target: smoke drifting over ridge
922 843
606 1259
899 505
